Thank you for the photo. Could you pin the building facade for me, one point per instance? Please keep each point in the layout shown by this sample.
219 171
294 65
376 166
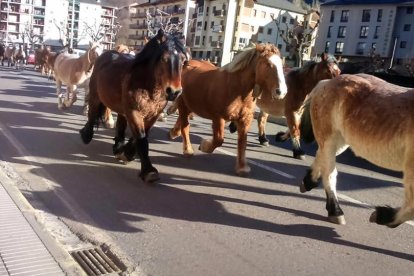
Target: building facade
35 22
148 17
221 28
360 29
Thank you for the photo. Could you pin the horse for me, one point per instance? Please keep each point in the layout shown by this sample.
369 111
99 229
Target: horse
300 82
2 50
9 55
19 57
376 120
137 88
226 94
72 71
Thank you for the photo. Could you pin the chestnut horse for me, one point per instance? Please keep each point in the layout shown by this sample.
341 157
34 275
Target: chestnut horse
72 71
300 83
376 120
137 89
226 94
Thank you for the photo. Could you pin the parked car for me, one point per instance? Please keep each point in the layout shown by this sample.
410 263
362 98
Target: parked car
31 58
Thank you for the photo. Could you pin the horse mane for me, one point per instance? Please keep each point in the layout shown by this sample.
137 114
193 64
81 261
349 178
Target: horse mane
244 58
153 49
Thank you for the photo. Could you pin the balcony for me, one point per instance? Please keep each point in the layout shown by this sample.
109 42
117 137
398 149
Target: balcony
219 13
137 26
217 28
136 37
138 15
216 44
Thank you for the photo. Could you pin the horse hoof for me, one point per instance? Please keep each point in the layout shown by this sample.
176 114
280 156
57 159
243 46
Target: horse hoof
264 141
205 146
300 157
123 158
337 219
244 172
172 135
110 124
188 153
302 188
280 137
232 127
151 177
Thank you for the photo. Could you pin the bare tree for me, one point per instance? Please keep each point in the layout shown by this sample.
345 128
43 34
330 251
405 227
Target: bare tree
299 37
63 33
97 31
31 35
165 21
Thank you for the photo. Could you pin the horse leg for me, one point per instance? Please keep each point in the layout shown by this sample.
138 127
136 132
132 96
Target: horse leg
208 145
261 124
393 217
293 121
148 174
324 168
109 119
182 127
242 167
59 94
93 115
71 95
124 152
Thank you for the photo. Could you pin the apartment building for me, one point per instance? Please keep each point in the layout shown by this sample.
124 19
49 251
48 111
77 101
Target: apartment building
51 21
148 17
358 29
223 27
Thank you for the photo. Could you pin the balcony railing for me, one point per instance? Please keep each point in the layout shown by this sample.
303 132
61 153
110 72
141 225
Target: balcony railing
138 14
220 13
217 28
136 37
216 44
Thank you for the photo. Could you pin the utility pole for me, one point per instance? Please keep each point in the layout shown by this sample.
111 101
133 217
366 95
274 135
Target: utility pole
72 24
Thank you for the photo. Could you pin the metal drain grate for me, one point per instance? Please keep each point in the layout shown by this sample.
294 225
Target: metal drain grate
95 262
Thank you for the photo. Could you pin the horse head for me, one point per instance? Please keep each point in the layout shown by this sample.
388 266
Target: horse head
167 54
328 67
94 51
269 72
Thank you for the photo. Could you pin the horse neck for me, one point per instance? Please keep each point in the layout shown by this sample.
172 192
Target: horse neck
85 60
143 77
244 79
307 79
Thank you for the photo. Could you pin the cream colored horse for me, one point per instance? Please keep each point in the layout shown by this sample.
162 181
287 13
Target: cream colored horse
72 70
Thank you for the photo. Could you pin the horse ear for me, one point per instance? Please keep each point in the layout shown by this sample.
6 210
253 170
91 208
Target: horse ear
324 56
160 35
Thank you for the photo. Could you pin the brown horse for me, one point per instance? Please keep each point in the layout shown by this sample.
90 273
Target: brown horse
137 88
300 83
72 71
224 94
376 120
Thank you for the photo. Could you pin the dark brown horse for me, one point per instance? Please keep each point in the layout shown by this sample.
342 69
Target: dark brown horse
226 94
300 83
137 89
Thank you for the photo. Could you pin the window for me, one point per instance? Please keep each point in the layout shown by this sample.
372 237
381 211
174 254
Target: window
279 46
344 16
254 13
410 10
332 16
361 48
341 31
263 14
366 15
269 31
379 15
407 27
329 31
260 31
364 32
284 19
211 24
292 21
403 44
373 47
197 40
377 31
327 44
339 48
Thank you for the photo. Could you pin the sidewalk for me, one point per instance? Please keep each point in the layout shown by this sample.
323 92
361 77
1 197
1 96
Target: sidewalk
25 249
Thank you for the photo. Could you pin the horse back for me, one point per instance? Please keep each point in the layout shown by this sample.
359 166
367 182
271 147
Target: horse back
373 117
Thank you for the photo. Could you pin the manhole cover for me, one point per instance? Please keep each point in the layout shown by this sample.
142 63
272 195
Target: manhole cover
95 262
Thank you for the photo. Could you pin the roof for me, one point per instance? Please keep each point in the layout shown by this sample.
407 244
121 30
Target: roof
365 2
283 5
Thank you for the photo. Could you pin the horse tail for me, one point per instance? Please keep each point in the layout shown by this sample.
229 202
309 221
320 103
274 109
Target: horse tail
306 129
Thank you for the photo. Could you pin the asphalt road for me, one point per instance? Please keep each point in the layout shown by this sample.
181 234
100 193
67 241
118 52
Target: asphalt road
200 219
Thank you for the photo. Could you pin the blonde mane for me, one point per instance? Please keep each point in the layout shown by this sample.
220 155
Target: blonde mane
244 58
